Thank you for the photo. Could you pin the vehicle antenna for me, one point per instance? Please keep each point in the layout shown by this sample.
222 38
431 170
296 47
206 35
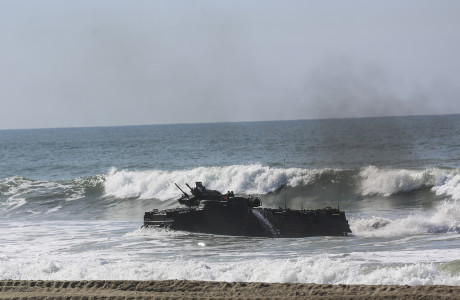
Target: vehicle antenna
339 183
285 186
338 196
301 207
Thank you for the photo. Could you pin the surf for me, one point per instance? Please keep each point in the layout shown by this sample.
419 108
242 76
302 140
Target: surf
305 188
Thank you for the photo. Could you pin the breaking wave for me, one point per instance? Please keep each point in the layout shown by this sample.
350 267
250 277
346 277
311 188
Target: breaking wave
19 194
246 179
445 218
258 179
388 182
449 186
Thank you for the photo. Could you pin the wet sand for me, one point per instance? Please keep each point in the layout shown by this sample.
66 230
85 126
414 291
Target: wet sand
183 289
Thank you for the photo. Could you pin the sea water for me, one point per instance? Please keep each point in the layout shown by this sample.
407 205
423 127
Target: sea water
72 200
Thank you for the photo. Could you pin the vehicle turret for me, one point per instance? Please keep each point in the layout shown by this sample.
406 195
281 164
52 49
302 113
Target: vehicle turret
200 193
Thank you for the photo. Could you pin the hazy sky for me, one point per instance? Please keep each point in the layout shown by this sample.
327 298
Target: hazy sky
102 63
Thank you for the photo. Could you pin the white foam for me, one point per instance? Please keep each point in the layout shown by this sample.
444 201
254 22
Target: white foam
13 203
52 250
18 190
445 218
155 232
391 181
450 186
386 182
247 179
55 209
360 225
320 269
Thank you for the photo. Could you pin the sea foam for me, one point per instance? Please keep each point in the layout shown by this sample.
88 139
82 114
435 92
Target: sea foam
445 218
387 182
319 269
391 181
450 186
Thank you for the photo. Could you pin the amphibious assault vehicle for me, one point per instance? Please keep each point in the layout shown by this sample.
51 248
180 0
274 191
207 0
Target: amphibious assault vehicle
209 211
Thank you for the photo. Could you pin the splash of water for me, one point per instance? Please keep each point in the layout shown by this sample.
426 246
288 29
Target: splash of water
265 222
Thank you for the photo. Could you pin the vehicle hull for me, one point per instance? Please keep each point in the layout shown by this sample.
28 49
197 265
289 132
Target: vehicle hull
222 219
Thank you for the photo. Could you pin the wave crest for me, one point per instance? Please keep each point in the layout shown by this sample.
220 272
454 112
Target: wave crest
444 219
19 194
450 186
246 179
387 182
259 179
392 181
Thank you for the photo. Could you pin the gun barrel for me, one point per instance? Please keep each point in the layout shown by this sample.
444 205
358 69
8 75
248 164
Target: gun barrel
189 186
181 189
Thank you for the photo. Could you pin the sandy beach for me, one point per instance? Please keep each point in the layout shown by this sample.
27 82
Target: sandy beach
182 289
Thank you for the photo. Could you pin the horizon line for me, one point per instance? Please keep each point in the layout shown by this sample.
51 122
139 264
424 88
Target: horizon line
229 122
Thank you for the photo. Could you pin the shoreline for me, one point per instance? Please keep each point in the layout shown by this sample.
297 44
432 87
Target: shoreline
186 289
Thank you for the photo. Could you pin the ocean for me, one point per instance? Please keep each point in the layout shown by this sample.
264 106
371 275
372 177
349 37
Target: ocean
72 200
